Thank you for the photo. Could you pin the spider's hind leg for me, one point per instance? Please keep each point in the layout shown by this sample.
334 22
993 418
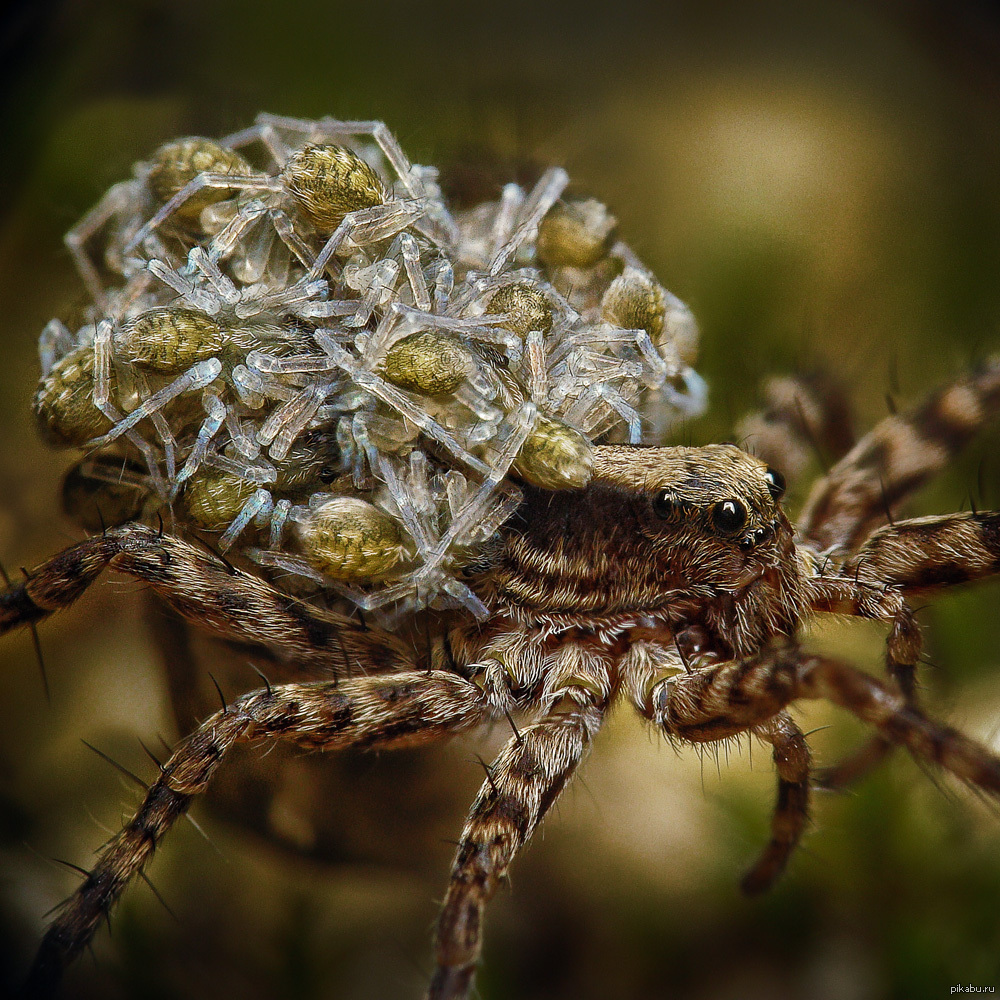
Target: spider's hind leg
803 416
922 555
894 458
389 711
210 593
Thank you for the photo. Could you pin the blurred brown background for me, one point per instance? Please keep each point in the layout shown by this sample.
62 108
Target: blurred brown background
821 182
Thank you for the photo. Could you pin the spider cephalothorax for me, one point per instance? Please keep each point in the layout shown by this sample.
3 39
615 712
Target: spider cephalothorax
684 535
429 419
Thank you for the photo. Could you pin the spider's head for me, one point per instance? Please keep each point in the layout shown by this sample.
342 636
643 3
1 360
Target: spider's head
710 515
654 527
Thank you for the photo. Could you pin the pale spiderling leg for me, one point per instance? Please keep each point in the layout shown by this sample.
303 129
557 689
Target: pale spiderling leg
115 202
216 413
542 197
102 400
198 376
257 508
366 225
235 182
55 341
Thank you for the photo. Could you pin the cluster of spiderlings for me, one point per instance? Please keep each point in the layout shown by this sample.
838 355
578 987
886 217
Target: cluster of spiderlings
293 342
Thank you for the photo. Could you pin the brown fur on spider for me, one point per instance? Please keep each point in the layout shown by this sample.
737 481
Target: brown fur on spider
673 581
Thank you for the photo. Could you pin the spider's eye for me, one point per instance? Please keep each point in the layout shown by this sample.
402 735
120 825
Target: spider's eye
729 516
775 483
665 506
327 474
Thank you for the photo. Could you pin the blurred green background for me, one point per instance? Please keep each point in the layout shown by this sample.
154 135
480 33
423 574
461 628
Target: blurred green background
820 182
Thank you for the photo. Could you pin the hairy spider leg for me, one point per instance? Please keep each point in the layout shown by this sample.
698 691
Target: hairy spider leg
388 711
730 698
843 594
927 554
927 740
790 753
911 557
211 594
803 416
736 696
893 459
521 786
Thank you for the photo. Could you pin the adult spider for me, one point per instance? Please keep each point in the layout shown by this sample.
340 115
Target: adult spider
421 405
674 581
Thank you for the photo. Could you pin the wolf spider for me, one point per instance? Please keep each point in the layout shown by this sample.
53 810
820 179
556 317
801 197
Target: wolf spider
674 581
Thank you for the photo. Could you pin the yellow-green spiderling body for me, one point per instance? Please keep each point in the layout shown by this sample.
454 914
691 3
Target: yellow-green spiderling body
555 456
64 403
176 164
634 301
350 539
213 498
429 363
168 340
527 307
577 234
330 181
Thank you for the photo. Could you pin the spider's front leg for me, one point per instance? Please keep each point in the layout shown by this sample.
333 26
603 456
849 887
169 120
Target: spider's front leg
791 811
919 556
896 457
734 697
886 603
389 711
900 722
749 695
211 594
521 786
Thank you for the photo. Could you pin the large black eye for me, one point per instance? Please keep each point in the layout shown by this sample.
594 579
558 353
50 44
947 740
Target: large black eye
665 506
775 483
729 516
